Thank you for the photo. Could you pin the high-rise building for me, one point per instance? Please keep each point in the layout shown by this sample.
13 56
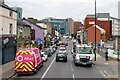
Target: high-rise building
69 23
19 12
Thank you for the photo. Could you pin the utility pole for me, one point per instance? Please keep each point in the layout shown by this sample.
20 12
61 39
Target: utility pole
95 31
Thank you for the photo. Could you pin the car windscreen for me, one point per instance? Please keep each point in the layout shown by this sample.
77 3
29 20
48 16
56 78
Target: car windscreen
85 50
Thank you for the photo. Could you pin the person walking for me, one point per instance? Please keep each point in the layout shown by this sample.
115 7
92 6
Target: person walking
106 55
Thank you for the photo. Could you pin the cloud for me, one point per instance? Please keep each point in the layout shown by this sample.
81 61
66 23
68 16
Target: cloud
76 9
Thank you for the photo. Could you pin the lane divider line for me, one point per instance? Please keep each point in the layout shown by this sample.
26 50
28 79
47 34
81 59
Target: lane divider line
43 76
71 68
73 76
107 73
102 73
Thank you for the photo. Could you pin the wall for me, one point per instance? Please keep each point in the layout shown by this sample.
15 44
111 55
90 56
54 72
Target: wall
102 23
26 31
76 26
91 35
39 32
6 20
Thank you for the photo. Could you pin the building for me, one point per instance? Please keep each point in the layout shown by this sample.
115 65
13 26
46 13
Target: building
115 31
103 21
36 30
77 26
43 25
119 23
8 20
69 23
19 12
24 30
58 24
8 32
99 32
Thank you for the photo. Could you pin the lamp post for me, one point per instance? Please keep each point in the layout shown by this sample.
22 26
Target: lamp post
95 31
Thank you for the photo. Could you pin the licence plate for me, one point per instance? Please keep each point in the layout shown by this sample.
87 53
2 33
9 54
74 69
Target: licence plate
60 58
20 70
84 63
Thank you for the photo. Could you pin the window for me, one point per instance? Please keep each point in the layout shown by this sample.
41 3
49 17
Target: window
11 14
10 28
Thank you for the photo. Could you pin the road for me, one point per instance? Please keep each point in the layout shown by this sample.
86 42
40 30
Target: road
68 70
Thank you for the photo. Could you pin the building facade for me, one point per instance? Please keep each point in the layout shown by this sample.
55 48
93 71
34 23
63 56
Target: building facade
37 31
19 12
99 32
58 24
69 23
103 20
8 20
77 26
24 30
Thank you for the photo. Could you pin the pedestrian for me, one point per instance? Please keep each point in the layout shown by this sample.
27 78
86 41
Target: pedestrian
106 54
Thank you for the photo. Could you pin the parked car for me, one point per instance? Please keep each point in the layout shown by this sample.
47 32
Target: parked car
28 61
51 49
48 52
44 56
61 57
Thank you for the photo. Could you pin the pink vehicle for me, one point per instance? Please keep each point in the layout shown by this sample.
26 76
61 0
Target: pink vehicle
28 60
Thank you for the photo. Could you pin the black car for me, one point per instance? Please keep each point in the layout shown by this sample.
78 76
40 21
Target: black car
61 57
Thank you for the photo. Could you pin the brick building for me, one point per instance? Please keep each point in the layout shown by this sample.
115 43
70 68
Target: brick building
100 34
77 26
103 22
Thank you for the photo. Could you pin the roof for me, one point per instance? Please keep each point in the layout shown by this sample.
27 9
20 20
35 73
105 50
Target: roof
91 15
7 7
32 23
101 29
20 22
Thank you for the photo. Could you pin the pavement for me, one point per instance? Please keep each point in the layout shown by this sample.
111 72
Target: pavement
52 69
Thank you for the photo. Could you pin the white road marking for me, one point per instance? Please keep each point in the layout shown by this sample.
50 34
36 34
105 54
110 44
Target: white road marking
102 73
106 63
43 76
73 76
72 69
106 73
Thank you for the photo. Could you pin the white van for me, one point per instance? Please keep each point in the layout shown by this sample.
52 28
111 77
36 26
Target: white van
84 55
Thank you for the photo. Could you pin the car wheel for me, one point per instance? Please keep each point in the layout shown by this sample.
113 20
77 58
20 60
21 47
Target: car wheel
42 64
66 60
90 65
75 64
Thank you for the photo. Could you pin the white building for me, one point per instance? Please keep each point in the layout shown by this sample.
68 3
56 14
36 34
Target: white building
8 20
115 31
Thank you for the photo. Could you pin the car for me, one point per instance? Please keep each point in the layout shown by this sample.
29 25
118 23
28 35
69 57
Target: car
84 55
60 56
44 56
54 47
62 49
48 52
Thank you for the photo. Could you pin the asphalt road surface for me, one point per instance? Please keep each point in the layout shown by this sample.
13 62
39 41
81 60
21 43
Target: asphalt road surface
68 70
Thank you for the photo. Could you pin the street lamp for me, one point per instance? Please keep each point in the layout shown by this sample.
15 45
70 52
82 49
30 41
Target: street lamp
95 31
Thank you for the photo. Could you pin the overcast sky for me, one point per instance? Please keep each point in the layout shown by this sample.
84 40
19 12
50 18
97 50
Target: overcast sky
75 9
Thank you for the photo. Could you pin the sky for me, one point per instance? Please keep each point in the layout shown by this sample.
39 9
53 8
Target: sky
75 9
